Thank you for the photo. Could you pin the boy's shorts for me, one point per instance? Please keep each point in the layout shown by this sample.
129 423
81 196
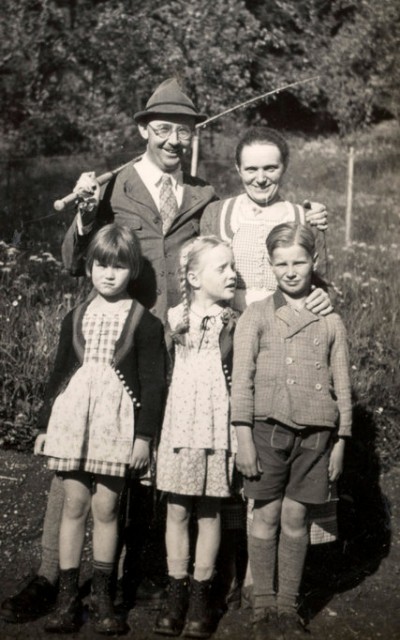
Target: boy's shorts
294 462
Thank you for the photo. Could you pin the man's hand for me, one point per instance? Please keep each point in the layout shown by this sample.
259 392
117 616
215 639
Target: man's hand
336 460
140 455
39 444
88 191
316 214
318 302
246 458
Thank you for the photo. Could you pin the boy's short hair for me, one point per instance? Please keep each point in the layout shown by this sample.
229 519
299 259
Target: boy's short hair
289 233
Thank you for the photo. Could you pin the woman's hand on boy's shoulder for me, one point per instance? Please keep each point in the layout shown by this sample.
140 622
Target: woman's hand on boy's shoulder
246 457
318 302
316 214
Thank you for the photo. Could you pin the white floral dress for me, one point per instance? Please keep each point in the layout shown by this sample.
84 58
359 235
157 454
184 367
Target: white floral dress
91 427
195 453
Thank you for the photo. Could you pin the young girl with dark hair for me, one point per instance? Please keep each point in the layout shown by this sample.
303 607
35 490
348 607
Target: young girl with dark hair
103 406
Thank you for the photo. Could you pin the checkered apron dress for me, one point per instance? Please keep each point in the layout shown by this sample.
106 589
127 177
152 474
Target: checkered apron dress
94 414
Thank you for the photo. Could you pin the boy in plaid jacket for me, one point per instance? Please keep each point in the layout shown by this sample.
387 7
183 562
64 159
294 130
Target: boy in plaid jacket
291 405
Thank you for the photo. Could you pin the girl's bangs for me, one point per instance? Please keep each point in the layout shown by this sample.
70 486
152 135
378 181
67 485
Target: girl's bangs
110 254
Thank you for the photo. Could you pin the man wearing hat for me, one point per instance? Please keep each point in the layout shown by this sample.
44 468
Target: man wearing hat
152 195
163 205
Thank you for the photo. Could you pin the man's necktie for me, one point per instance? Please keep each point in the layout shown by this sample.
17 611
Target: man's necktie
168 202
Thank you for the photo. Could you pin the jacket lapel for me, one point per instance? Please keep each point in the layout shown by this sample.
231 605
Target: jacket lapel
294 322
136 190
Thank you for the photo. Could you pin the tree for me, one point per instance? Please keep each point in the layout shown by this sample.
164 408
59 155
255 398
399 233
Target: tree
209 47
351 44
360 66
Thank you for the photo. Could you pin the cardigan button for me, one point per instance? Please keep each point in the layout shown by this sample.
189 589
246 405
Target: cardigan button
316 341
317 365
318 386
138 404
290 381
289 360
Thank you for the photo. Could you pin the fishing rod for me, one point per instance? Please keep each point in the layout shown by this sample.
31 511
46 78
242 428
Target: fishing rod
59 205
202 125
251 100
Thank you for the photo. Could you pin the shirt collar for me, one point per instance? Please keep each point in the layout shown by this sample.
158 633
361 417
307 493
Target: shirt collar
153 173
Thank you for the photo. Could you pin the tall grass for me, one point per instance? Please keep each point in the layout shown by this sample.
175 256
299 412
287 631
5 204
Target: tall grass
35 292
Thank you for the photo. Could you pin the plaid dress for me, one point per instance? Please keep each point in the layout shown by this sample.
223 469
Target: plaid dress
91 427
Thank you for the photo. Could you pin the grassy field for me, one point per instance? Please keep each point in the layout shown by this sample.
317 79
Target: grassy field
35 293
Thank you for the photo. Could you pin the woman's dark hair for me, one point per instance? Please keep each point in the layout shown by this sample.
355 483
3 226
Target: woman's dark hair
115 244
262 135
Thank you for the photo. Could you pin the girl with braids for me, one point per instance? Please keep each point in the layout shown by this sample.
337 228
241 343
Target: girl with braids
195 459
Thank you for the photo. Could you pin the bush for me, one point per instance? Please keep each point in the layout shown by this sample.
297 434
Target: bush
35 295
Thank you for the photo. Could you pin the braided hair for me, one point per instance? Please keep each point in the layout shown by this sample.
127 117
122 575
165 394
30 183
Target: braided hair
189 260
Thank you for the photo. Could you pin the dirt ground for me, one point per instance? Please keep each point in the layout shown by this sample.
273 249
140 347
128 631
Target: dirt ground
351 590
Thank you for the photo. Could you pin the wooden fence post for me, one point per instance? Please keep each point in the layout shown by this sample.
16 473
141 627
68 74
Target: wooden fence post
195 153
349 205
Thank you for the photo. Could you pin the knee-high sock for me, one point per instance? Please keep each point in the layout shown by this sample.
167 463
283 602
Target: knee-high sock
262 557
291 558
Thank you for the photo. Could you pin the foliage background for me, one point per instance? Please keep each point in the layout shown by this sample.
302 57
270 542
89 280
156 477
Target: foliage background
72 73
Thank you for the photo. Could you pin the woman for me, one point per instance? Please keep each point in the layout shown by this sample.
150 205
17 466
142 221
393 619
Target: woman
262 157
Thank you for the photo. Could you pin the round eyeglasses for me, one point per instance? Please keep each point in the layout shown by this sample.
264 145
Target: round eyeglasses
164 131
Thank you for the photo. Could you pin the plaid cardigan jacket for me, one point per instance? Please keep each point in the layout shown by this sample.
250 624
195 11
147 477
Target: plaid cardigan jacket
291 367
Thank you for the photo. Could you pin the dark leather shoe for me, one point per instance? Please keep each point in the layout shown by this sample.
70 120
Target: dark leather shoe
292 627
201 618
151 593
34 600
66 618
266 626
171 619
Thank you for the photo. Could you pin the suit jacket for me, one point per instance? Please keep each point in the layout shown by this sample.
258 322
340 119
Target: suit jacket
126 200
292 368
139 362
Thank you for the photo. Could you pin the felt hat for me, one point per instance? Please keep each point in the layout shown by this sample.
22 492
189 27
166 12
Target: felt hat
168 99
